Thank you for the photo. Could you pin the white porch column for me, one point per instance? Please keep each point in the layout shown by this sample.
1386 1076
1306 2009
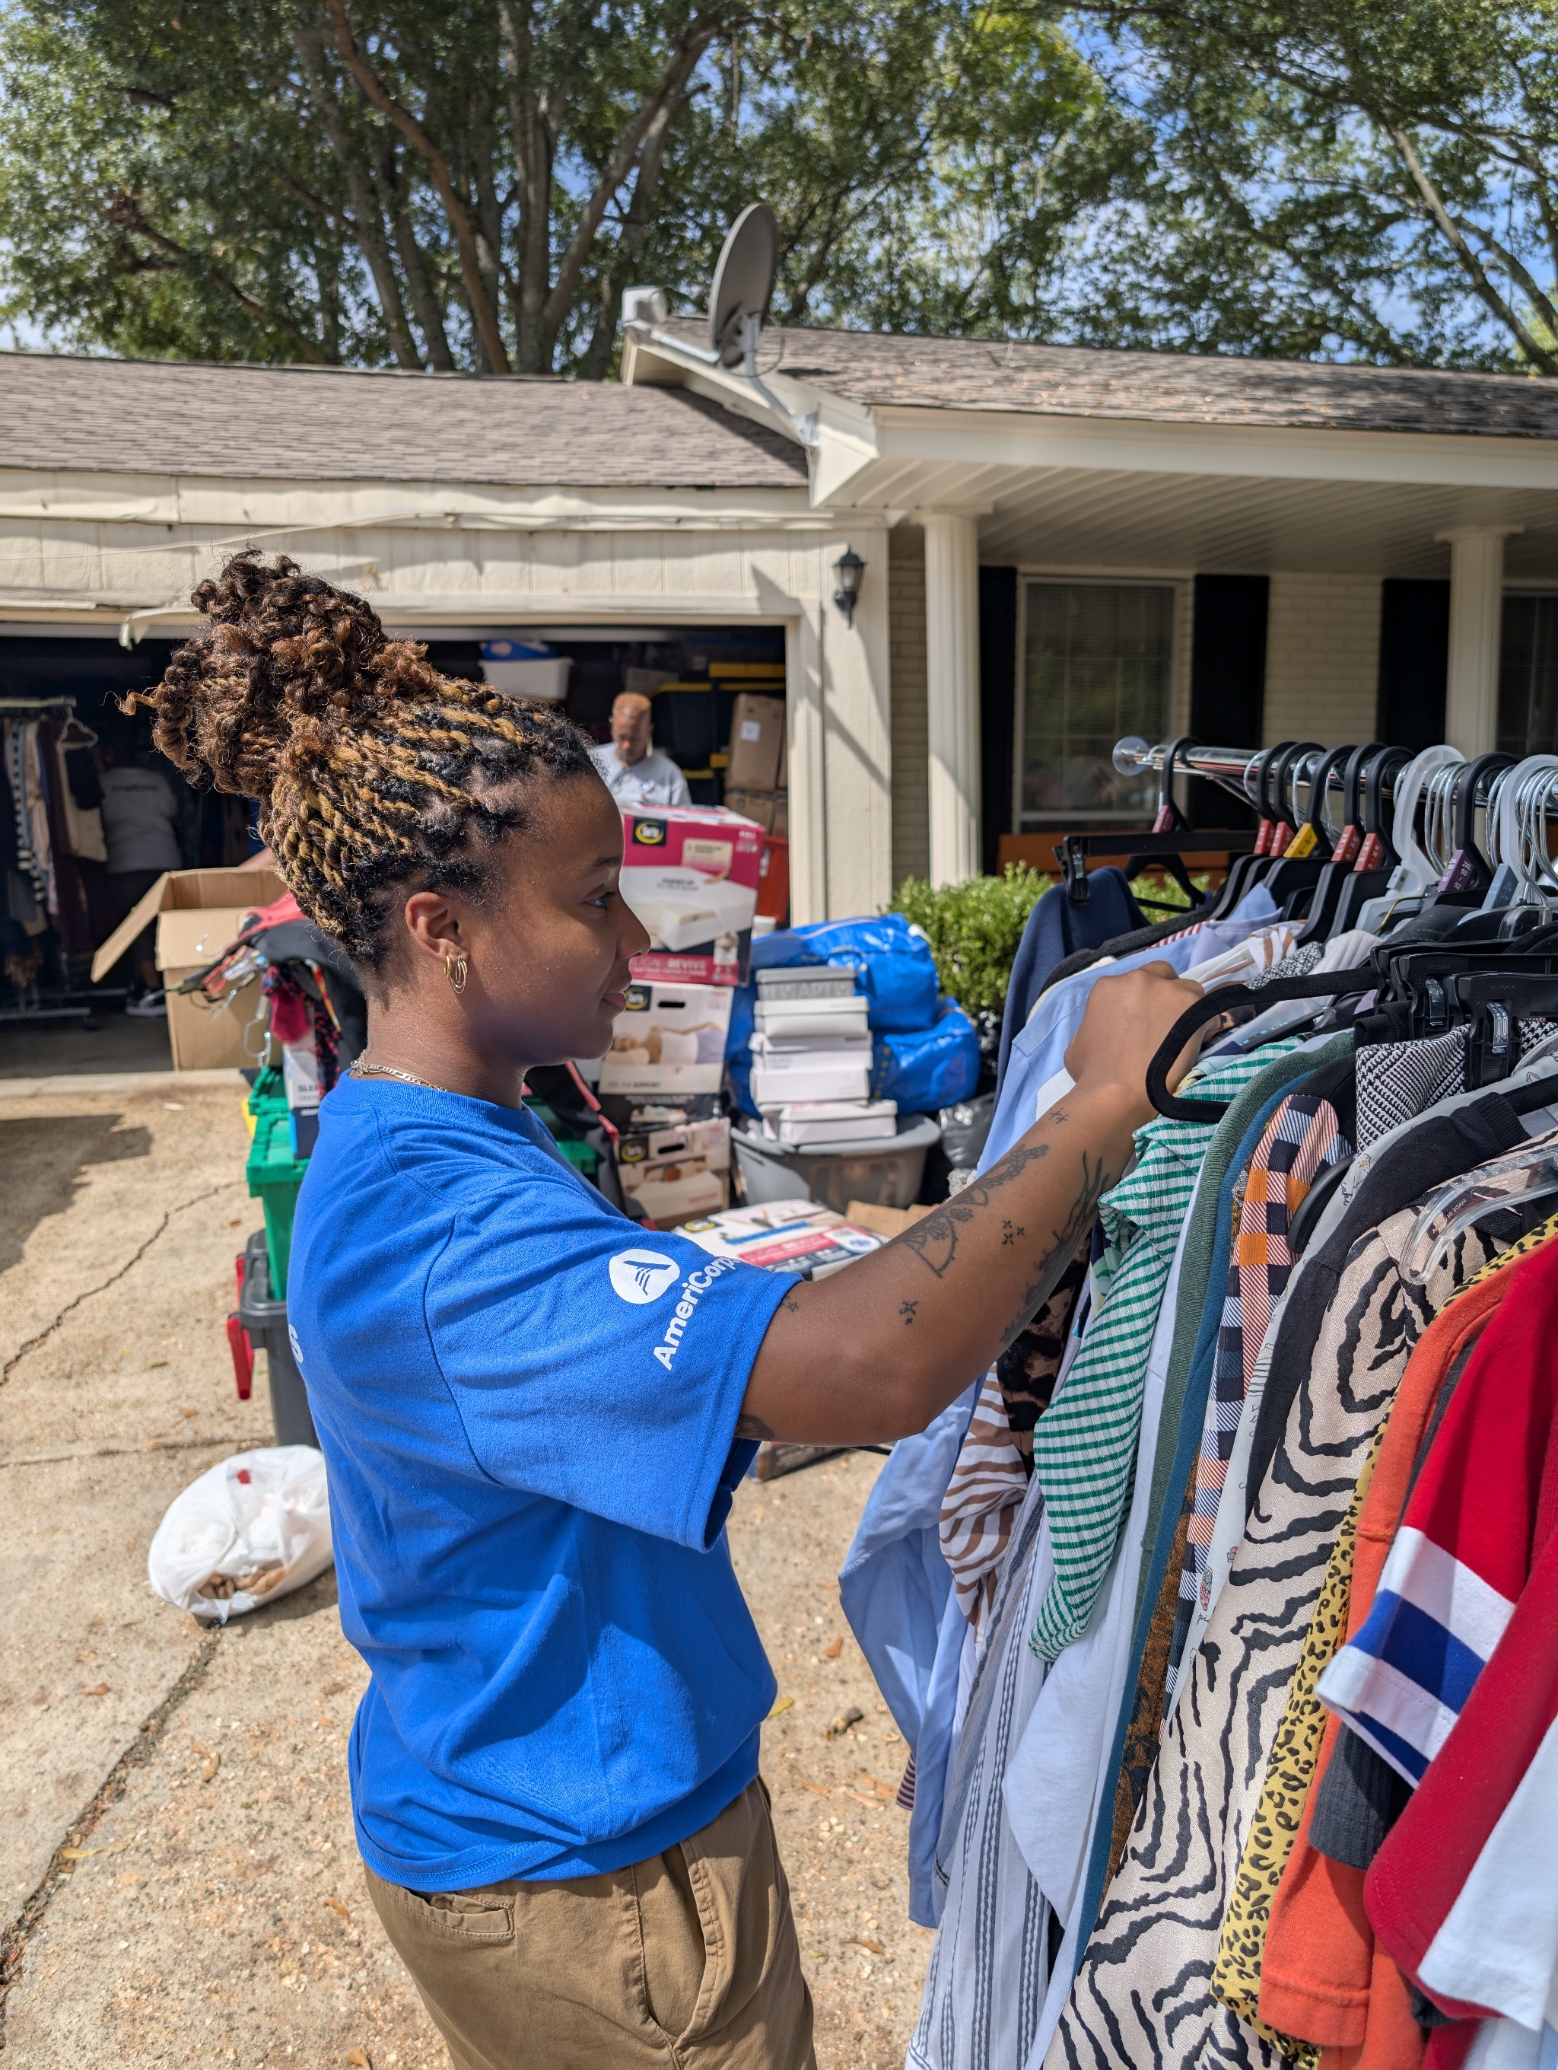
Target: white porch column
952 694
1476 615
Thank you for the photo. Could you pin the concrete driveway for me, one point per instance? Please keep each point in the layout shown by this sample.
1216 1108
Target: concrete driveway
178 1881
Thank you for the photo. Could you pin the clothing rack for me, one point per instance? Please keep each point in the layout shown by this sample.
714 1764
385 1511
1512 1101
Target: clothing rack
61 706
1236 768
69 1003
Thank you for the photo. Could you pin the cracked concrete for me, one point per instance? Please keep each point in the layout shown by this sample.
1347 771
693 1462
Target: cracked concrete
191 1893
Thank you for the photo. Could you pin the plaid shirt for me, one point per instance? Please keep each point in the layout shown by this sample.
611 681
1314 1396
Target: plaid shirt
1300 1141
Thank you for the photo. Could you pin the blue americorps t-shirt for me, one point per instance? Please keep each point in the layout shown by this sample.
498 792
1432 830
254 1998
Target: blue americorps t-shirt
527 1407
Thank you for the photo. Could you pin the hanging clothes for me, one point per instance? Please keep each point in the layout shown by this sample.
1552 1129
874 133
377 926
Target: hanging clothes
1140 1984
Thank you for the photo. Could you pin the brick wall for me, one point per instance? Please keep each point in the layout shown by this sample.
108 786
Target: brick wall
911 735
1322 658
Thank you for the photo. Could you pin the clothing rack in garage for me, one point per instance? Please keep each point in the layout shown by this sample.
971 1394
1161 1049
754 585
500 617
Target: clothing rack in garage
67 1002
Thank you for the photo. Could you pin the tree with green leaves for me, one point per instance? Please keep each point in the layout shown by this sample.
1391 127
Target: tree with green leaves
1336 179
473 185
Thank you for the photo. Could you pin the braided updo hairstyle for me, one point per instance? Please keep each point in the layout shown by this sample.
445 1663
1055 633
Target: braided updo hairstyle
372 770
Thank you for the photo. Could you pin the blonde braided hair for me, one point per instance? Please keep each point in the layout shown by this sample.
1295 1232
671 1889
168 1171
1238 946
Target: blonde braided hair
373 771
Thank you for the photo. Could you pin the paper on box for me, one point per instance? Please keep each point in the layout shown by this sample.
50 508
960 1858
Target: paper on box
785 1236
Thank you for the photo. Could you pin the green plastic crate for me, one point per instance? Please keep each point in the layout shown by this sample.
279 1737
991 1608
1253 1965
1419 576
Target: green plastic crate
273 1173
584 1157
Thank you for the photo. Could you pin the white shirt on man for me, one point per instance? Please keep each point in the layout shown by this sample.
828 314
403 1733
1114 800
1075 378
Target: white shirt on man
140 820
654 781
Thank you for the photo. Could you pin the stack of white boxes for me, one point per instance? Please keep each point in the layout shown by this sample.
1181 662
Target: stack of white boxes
811 1059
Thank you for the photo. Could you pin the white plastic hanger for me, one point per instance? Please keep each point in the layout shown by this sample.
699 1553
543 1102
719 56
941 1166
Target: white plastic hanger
1415 875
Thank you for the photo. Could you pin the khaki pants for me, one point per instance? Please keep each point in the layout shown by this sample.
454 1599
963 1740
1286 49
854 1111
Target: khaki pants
689 1959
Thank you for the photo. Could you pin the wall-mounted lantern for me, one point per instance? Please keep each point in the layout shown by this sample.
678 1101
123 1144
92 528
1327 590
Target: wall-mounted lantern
849 568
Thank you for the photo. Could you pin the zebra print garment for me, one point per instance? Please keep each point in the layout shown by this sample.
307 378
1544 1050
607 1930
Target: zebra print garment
1141 1995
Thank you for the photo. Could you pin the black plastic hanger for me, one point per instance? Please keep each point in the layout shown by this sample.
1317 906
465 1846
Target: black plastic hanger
1239 1003
1302 863
1376 859
1328 892
1170 820
1244 868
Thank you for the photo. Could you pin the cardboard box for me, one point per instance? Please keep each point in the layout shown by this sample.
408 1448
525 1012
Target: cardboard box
690 873
669 1039
843 1079
674 1174
198 912
756 742
757 806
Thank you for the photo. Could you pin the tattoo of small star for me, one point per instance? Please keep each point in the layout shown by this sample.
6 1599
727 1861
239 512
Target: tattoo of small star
906 1310
791 1303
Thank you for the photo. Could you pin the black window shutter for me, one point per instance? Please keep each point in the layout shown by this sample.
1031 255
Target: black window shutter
997 706
1227 681
1414 663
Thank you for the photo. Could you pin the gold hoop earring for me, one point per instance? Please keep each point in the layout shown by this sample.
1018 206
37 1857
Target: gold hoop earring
456 970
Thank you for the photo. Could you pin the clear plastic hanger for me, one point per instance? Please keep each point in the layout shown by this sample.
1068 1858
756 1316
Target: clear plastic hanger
1454 1208
1415 874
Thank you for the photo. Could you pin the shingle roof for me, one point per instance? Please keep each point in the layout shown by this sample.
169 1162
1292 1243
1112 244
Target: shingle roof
321 424
1164 387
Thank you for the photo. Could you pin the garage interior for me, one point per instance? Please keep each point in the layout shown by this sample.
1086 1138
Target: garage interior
59 695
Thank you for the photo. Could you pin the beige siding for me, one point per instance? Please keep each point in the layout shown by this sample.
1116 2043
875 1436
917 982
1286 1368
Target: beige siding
906 665
1322 658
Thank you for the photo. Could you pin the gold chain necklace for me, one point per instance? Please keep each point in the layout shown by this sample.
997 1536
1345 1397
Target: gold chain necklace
363 1069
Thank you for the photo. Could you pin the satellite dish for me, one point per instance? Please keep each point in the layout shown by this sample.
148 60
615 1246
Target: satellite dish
743 281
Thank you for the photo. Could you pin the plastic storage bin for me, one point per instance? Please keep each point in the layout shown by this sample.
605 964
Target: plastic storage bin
274 1172
885 1173
264 1322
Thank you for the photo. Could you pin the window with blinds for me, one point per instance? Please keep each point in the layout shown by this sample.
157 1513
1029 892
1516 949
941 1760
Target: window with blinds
1528 676
1098 663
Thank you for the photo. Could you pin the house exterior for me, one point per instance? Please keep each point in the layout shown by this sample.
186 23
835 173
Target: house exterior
1061 546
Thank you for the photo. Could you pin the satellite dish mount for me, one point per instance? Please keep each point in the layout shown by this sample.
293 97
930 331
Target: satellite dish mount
743 287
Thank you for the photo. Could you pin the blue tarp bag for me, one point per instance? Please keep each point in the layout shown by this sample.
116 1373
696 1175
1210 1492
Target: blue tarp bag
924 1069
893 967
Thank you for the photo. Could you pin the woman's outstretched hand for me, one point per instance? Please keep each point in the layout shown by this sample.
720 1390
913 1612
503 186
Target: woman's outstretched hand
1122 1029
874 1353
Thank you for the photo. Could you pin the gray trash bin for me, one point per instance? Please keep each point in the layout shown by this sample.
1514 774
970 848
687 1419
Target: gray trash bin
265 1324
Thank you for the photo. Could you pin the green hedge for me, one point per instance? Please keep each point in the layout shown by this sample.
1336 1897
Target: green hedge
974 929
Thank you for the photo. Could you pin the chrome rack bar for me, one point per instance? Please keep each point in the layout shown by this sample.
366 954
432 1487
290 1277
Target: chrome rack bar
1232 768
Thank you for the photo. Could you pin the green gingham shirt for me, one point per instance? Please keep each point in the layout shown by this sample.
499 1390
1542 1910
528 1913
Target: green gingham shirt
1084 1446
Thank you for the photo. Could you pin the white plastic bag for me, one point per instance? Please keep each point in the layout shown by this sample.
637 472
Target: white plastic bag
260 1519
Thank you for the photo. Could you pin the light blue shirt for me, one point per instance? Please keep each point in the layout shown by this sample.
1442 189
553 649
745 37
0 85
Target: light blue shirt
654 781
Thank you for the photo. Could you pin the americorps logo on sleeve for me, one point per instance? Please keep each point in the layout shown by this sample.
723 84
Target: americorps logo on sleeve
641 1276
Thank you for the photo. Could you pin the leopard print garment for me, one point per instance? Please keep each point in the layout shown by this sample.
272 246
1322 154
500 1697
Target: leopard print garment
1289 1774
1027 1368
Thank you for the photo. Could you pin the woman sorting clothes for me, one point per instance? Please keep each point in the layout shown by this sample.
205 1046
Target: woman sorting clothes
534 1414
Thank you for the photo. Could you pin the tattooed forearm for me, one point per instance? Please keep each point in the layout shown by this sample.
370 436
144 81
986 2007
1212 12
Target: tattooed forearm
1096 1181
934 1239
